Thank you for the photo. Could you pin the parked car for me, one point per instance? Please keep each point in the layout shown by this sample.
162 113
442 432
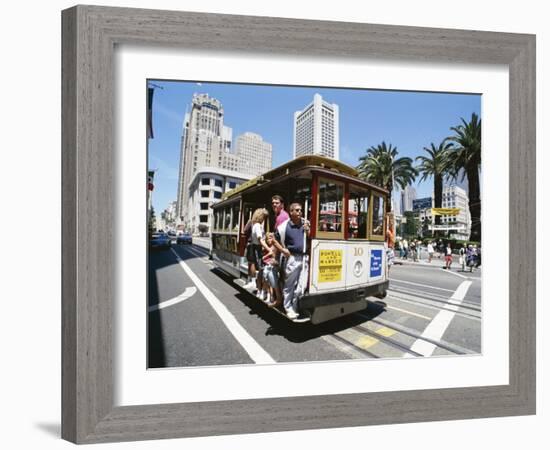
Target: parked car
160 241
185 238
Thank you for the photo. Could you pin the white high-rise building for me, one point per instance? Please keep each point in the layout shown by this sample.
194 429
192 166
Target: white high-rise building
316 129
254 154
454 226
206 141
455 197
396 203
407 197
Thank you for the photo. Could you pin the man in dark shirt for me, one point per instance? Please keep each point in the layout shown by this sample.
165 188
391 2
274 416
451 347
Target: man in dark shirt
291 242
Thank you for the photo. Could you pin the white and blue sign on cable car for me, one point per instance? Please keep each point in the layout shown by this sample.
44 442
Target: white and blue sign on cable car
375 263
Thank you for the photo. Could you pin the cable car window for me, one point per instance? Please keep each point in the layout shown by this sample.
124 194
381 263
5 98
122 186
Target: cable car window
214 220
235 223
377 215
358 212
226 218
331 197
248 211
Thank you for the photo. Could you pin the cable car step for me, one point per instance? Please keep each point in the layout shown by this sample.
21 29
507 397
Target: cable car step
242 283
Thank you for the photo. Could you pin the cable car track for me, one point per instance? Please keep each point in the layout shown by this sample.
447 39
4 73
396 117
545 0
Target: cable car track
441 299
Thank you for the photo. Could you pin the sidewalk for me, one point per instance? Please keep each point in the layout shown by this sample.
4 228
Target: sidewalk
424 262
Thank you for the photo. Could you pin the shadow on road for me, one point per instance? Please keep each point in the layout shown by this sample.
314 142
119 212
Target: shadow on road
279 325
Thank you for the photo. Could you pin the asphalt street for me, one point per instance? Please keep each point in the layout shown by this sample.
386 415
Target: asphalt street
199 317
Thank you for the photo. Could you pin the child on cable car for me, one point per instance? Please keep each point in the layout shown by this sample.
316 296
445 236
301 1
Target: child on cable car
270 273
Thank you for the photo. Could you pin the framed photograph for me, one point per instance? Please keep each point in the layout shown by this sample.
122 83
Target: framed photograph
264 229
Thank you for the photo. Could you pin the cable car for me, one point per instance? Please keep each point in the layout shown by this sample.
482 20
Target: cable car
345 249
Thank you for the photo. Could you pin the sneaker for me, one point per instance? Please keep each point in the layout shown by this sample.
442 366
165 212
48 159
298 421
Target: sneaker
261 295
291 314
250 285
303 317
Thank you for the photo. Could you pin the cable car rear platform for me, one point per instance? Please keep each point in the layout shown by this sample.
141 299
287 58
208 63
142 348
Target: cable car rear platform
319 308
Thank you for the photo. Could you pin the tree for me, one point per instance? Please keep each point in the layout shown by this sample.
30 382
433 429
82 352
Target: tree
381 166
437 165
411 224
152 221
203 228
466 162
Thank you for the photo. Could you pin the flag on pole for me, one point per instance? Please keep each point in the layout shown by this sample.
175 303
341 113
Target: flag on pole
150 93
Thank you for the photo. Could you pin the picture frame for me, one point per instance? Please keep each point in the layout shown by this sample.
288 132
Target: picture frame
89 37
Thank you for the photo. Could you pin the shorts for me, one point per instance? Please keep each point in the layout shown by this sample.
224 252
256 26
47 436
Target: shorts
258 260
448 258
250 253
271 275
254 255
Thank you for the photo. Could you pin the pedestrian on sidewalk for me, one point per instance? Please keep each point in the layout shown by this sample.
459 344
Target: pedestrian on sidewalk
430 251
478 257
412 248
448 256
462 257
470 258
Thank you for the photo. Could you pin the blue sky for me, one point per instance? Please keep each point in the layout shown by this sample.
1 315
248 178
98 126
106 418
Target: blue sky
409 121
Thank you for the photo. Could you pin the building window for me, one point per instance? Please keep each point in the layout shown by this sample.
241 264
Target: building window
205 194
217 194
218 183
205 181
204 206
203 219
232 185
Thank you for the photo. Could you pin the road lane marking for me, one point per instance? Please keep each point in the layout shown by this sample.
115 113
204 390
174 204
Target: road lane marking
436 305
437 327
254 350
408 312
449 271
195 252
421 285
190 291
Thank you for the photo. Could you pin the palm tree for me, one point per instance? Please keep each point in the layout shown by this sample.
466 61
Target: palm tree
381 166
466 162
436 165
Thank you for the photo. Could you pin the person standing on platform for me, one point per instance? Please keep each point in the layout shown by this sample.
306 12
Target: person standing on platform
290 240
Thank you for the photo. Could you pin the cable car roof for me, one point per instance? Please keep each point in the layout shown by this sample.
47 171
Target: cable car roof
292 166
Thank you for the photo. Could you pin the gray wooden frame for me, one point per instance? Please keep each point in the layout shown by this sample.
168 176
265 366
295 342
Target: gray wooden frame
89 35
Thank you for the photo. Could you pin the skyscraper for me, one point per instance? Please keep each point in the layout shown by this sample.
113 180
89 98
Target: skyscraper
206 141
255 155
407 197
316 129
